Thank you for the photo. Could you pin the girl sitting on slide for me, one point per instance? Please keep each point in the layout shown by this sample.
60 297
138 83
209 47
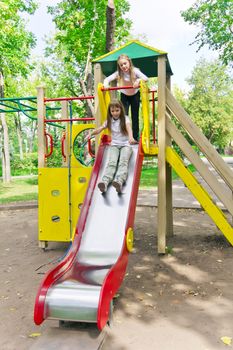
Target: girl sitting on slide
120 150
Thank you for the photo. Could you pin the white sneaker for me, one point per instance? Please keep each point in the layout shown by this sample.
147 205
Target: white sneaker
102 186
118 186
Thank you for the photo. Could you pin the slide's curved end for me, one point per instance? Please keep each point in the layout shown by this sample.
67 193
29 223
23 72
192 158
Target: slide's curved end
116 274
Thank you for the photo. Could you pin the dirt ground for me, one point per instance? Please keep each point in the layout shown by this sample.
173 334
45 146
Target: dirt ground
180 301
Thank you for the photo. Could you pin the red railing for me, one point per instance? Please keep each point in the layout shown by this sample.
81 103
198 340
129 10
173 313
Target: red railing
63 139
68 120
80 98
47 135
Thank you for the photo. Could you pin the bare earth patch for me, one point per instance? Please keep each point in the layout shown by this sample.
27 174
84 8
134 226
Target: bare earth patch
180 301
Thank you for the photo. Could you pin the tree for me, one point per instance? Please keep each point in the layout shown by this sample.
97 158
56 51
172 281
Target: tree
110 26
15 45
19 134
81 36
215 18
209 101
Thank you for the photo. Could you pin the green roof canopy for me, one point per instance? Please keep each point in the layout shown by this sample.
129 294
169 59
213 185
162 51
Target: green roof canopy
144 57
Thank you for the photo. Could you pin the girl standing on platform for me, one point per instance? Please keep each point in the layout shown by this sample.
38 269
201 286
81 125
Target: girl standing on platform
120 150
128 75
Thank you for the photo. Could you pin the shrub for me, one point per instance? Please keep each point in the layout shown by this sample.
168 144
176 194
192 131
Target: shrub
26 166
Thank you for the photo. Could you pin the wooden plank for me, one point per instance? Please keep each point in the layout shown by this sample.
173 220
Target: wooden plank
200 194
211 154
162 203
169 180
40 129
201 167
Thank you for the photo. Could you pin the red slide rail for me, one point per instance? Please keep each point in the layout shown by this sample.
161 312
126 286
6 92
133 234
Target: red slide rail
56 273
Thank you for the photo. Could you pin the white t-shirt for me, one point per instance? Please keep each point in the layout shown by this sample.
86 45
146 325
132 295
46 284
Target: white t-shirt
126 80
118 139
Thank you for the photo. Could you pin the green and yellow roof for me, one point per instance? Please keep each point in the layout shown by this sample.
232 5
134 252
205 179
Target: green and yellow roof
143 56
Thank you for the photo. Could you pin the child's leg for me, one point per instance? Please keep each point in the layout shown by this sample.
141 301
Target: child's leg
135 103
122 169
110 170
126 102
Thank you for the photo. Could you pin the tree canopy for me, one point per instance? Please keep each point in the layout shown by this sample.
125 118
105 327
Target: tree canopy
81 36
15 40
15 45
215 21
209 101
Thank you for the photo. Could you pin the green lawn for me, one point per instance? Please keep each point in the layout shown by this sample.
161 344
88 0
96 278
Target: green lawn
26 189
149 176
19 190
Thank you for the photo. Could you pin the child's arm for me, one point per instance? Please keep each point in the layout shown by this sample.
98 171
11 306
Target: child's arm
110 78
139 76
130 134
96 131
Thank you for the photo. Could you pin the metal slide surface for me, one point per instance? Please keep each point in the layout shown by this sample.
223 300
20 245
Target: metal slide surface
81 287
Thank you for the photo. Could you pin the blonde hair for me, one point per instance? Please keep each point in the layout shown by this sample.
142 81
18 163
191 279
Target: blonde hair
116 104
131 69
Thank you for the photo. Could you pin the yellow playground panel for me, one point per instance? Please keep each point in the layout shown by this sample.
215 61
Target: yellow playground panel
61 194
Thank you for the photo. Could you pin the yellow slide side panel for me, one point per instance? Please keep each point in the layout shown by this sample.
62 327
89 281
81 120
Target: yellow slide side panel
104 100
53 205
200 193
146 117
79 183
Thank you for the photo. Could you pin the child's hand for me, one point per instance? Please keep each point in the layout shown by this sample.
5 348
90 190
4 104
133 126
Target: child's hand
136 84
88 137
132 141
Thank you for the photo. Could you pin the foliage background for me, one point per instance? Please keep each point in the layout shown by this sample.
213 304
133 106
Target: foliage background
80 37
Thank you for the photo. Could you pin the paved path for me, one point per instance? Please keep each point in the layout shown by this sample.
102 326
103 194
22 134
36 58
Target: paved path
182 197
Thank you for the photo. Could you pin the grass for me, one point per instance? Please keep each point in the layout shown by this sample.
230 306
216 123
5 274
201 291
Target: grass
149 175
19 190
26 189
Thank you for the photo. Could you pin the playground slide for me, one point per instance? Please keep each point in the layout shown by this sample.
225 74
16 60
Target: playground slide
81 286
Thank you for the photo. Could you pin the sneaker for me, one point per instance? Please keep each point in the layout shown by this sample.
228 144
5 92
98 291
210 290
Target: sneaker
102 186
118 186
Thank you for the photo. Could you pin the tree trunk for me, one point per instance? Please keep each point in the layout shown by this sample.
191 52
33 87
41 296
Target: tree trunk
111 24
32 137
6 168
19 135
87 92
87 82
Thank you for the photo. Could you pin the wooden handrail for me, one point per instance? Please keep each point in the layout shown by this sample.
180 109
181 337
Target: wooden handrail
205 146
201 167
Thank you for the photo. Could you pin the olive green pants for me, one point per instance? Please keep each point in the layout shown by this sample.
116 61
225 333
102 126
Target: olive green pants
117 166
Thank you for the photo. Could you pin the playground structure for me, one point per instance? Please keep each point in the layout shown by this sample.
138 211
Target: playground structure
82 285
61 189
